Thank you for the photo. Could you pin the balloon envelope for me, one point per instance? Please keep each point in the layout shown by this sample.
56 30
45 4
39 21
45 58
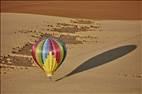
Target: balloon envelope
49 53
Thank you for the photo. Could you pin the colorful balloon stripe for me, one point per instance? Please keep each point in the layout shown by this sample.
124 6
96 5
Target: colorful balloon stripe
39 52
62 51
34 54
56 51
46 50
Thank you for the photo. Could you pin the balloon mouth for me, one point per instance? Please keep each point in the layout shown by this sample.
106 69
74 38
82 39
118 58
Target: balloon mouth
49 75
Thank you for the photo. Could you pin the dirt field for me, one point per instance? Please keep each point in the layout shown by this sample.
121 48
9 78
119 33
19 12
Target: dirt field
104 57
103 39
110 10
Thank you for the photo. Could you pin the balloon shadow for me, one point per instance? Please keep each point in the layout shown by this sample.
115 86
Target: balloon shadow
101 59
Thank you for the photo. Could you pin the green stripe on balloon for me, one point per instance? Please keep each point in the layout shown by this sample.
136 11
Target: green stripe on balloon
34 55
39 52
64 49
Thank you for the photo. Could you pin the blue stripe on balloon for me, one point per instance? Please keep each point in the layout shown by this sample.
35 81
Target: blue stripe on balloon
46 48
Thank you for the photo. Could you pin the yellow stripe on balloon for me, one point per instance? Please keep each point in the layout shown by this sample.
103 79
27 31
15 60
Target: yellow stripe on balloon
46 66
38 51
50 64
54 64
50 61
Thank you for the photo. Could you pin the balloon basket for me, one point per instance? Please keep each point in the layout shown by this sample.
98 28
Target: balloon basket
49 76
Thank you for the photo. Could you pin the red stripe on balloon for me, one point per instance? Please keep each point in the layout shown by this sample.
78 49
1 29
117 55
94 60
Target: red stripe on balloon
56 50
51 46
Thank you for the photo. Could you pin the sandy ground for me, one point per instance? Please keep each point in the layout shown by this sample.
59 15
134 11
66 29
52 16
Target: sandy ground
108 10
104 55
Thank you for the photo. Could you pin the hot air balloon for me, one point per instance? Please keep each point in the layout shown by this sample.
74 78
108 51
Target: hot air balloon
49 53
